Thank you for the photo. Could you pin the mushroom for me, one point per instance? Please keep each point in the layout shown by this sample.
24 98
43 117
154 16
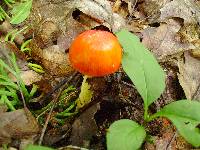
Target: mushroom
95 53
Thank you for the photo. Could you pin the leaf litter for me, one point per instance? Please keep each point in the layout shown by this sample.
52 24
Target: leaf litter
170 29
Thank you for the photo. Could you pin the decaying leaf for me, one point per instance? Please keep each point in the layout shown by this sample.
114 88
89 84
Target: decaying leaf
163 41
84 127
189 76
97 9
86 94
101 13
188 10
17 124
185 9
55 135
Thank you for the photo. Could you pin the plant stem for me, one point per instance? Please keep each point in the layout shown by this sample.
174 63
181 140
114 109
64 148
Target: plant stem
146 116
152 117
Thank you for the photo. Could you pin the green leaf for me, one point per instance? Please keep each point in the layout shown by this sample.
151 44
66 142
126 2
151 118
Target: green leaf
142 67
185 115
21 11
125 135
36 147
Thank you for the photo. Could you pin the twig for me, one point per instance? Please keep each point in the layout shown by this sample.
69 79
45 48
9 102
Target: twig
51 110
171 140
60 84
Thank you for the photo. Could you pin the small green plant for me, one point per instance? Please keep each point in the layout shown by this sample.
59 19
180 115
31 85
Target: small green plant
12 34
65 103
24 47
37 68
149 79
19 12
10 90
9 2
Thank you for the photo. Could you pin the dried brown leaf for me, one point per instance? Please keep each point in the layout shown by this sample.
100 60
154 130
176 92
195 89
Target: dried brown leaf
84 127
185 9
17 125
164 41
189 76
100 10
101 13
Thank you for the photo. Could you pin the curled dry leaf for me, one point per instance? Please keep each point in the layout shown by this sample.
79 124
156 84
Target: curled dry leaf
100 10
188 10
189 76
163 41
185 9
17 124
101 13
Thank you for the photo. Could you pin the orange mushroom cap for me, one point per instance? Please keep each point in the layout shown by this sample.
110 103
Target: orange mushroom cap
95 53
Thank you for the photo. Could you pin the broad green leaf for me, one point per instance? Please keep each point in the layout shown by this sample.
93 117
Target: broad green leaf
125 135
36 147
185 115
21 11
142 67
86 94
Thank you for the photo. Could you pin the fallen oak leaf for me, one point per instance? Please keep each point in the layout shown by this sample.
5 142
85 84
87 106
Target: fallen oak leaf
17 124
101 13
189 76
185 9
84 127
163 41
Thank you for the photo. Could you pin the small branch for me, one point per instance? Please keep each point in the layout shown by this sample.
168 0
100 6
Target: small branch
171 140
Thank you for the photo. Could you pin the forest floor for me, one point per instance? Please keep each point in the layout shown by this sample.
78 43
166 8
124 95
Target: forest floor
170 29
